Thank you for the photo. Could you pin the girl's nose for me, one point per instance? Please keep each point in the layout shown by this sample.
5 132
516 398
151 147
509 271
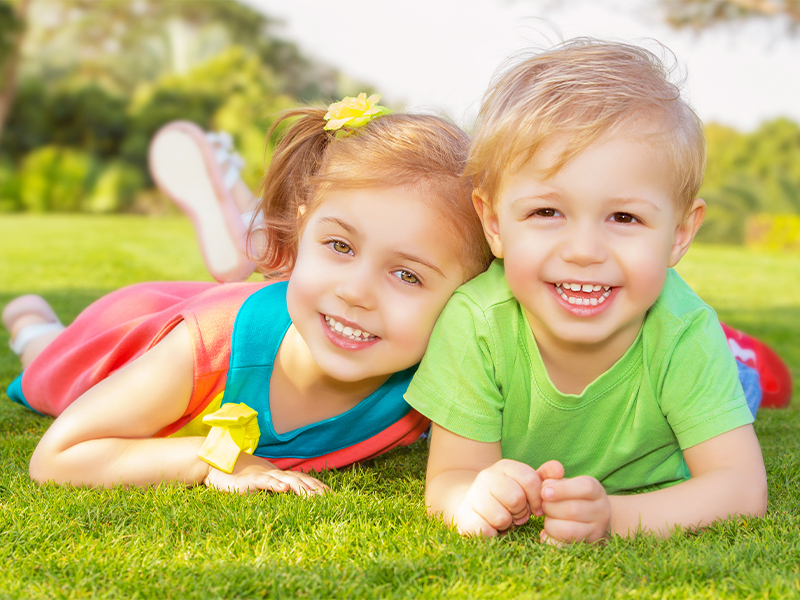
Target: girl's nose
356 287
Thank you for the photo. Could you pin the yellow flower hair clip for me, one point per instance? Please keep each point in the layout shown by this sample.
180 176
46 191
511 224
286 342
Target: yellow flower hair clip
351 113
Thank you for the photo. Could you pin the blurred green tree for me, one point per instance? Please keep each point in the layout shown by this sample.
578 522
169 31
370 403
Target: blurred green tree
701 14
13 18
747 174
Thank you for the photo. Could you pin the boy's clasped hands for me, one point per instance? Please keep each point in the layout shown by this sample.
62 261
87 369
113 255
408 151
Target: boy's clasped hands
509 492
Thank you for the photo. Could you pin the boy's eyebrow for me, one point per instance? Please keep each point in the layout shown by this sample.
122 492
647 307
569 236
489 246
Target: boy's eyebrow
547 197
630 201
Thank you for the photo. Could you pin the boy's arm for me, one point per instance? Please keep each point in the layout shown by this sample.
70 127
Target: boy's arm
728 478
104 438
470 486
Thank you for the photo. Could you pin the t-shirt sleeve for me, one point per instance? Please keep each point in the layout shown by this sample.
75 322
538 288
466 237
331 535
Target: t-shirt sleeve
700 393
456 384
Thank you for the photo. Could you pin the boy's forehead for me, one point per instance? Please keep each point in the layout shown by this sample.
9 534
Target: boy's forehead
642 146
554 152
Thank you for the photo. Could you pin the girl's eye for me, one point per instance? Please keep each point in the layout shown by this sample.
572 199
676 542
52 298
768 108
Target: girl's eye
622 217
407 277
340 247
546 213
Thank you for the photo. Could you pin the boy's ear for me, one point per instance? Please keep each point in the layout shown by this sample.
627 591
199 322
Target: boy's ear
684 233
488 217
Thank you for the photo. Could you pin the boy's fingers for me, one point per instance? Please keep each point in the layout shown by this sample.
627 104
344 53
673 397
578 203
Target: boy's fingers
579 511
565 531
577 488
552 469
474 525
524 478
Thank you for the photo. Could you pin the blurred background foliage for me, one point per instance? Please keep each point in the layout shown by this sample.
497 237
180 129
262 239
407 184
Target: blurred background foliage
84 84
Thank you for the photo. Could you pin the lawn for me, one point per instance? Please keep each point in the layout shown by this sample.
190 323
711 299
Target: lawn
371 538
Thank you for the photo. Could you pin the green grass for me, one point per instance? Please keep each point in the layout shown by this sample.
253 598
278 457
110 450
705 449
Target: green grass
371 538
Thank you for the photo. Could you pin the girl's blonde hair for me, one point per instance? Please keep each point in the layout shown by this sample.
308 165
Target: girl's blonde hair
579 91
423 153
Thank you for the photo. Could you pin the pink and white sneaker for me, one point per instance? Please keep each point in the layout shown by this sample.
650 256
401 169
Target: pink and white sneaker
197 170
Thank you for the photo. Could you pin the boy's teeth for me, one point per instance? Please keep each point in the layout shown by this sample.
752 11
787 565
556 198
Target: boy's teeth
585 288
347 331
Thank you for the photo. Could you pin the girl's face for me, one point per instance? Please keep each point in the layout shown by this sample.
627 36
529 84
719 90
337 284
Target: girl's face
374 269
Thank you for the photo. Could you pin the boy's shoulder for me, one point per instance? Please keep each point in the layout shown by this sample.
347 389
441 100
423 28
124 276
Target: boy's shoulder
489 289
679 312
677 300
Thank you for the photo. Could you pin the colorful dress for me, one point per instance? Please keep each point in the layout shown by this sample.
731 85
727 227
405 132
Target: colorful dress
235 330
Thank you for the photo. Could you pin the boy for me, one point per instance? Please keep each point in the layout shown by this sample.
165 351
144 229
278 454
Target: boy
580 378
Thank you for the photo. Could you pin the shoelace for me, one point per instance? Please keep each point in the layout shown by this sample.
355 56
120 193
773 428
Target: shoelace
225 153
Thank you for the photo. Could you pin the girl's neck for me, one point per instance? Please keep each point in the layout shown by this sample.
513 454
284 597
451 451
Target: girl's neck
301 393
573 366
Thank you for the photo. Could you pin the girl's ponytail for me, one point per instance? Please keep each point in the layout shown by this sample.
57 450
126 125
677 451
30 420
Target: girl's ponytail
286 188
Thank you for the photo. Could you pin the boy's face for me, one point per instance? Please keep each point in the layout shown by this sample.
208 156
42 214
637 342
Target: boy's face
586 252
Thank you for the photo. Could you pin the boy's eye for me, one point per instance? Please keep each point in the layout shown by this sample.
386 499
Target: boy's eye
407 277
622 217
546 213
340 247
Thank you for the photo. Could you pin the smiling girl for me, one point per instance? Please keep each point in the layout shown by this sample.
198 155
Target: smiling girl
183 381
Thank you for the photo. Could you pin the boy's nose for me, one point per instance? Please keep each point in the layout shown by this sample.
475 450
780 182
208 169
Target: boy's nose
584 245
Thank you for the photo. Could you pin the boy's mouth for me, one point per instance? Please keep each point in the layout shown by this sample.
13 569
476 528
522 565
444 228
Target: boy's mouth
583 294
351 333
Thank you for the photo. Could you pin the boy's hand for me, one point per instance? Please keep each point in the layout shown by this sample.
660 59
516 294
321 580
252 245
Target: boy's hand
505 494
254 477
575 509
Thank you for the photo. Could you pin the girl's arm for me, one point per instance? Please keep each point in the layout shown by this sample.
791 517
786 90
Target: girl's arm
472 487
105 437
728 478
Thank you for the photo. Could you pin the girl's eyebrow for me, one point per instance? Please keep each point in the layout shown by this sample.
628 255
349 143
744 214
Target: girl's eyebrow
334 221
420 261
401 255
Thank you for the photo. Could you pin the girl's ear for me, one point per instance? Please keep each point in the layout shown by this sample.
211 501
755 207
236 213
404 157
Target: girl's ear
685 232
301 210
491 227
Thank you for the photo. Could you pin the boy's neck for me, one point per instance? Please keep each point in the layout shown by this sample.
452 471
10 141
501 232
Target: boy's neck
570 366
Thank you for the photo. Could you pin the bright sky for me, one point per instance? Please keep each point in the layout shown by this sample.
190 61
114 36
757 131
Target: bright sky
439 55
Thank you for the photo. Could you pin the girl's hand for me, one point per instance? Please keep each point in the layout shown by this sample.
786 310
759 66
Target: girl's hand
576 510
252 474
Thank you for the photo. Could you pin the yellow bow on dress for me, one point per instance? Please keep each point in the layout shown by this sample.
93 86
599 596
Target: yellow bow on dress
234 428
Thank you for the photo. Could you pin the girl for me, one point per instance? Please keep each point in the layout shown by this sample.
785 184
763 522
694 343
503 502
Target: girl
169 381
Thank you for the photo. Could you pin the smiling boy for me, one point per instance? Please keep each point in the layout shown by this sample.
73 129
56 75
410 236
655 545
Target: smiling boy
580 378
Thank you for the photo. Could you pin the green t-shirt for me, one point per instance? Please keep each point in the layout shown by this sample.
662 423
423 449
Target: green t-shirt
676 386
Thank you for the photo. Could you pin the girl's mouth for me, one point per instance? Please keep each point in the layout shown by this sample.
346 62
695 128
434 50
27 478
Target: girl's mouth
583 294
346 331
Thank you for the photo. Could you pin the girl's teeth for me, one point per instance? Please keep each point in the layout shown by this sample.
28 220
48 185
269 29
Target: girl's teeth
347 331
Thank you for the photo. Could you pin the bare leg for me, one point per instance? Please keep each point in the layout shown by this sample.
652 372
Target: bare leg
34 314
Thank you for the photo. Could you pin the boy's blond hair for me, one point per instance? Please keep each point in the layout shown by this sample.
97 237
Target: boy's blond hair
581 90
